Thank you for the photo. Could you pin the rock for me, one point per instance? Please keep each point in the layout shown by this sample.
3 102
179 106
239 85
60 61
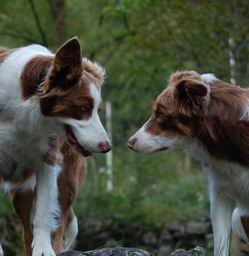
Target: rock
149 238
165 237
198 251
116 251
95 225
103 236
164 250
71 253
196 228
112 243
174 227
176 230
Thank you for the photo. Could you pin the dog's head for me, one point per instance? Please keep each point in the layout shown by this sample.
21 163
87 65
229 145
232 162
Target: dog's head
70 92
174 114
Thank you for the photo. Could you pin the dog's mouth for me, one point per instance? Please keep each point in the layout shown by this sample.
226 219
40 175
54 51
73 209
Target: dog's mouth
161 149
72 140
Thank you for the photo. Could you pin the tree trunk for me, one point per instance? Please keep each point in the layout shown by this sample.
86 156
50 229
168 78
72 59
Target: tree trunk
59 22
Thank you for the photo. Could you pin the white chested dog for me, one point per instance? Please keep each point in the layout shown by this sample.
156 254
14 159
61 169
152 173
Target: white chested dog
209 118
48 116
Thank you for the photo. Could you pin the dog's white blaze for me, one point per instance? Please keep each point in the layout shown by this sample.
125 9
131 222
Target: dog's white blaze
208 78
148 143
96 95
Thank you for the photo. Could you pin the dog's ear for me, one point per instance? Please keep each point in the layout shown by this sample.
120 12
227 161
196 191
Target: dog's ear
67 65
192 96
192 89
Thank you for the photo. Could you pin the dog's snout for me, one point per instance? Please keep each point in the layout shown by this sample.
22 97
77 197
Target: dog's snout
132 142
104 146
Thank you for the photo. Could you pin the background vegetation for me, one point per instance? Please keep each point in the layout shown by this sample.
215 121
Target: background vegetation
140 43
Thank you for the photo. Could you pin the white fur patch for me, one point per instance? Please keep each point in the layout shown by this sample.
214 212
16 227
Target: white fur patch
29 184
46 210
38 48
42 244
237 225
208 78
71 233
148 143
1 250
245 115
96 95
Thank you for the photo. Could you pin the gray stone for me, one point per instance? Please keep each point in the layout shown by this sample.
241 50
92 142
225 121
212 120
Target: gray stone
112 243
71 253
116 251
149 238
196 228
198 251
177 230
174 227
165 236
164 250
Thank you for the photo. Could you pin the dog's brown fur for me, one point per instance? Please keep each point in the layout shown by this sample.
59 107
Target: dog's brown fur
33 74
4 53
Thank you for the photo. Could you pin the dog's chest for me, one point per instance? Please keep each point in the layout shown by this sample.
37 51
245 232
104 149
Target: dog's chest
26 152
231 180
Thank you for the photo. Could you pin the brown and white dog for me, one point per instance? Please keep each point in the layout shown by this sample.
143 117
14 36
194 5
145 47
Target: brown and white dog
48 118
209 118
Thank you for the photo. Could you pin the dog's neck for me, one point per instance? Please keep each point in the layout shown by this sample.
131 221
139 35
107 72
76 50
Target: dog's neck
220 140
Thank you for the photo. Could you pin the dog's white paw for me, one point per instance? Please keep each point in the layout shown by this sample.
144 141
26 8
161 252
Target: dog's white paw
41 250
42 244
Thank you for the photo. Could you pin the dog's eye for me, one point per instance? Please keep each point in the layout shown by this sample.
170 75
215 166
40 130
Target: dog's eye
158 114
86 109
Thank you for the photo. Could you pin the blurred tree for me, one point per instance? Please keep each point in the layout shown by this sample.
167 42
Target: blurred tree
58 13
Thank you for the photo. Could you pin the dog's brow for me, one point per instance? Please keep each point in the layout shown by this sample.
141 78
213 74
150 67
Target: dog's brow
158 106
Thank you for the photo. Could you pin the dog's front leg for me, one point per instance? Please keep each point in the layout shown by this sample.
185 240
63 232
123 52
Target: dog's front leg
221 215
45 208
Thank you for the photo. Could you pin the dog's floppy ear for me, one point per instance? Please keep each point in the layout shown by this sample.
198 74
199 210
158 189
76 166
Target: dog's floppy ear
191 88
67 65
192 96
